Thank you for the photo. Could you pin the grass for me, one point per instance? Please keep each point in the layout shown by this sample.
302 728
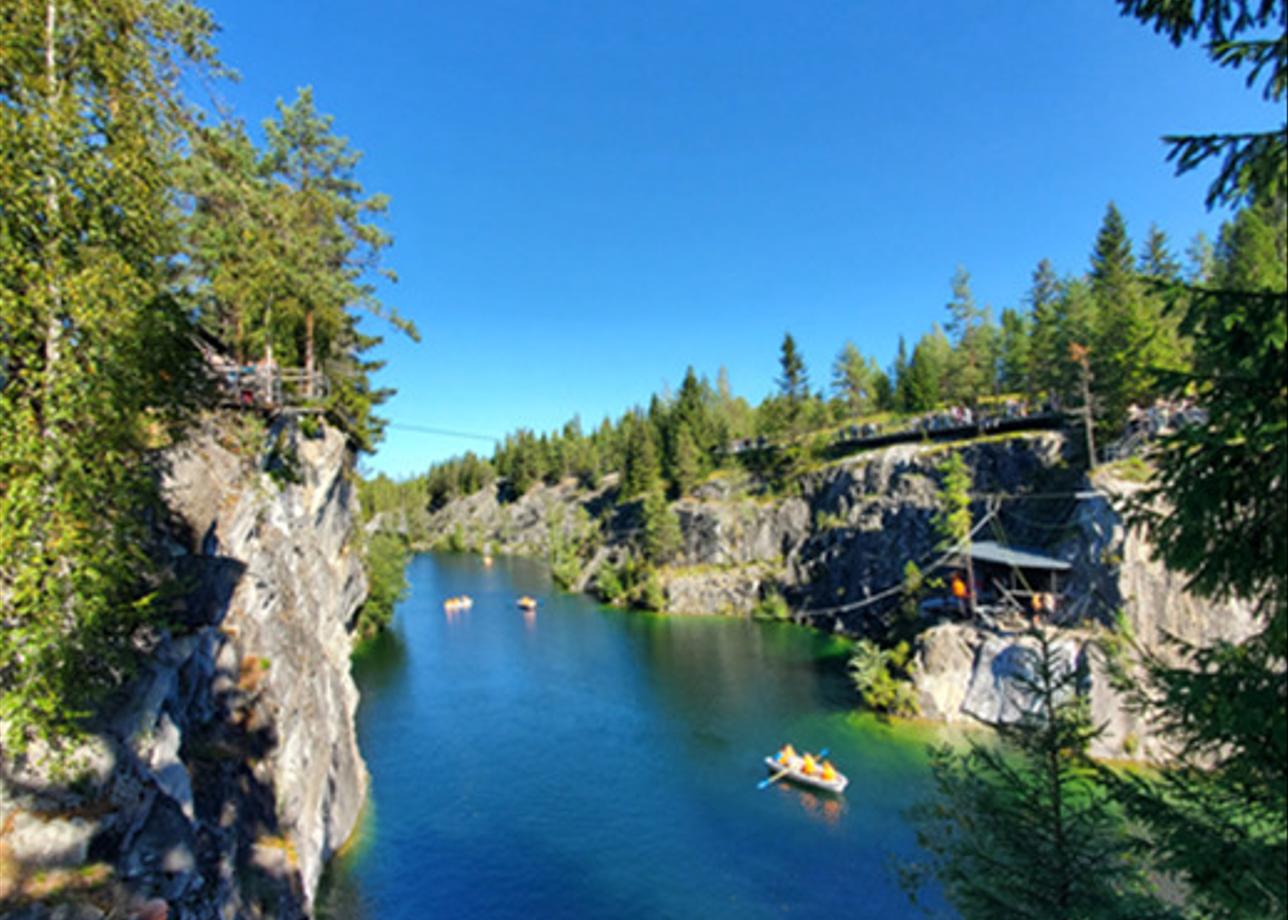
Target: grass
1133 469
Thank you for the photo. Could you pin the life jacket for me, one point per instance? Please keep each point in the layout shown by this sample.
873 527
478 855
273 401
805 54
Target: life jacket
808 767
828 772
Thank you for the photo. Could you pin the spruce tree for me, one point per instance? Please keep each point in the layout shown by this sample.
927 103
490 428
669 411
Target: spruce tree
903 397
662 534
1217 508
1156 260
1112 271
1015 362
793 381
688 461
1119 347
1025 828
1045 354
642 469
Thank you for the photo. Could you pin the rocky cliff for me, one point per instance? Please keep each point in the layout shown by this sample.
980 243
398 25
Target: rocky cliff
836 547
228 772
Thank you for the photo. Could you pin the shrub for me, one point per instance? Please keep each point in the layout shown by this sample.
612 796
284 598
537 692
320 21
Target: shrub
771 607
882 678
384 559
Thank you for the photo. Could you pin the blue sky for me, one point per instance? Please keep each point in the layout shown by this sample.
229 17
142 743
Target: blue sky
587 197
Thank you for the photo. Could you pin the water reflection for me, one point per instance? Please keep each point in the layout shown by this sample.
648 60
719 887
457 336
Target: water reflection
379 661
828 809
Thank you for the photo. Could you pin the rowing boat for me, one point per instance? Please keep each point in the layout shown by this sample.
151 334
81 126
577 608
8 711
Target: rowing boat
793 767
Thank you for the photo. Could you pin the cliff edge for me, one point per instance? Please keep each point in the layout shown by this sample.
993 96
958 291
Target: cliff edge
227 771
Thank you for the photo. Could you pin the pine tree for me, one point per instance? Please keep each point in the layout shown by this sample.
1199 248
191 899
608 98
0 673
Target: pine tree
1156 260
1202 259
903 397
793 382
96 351
853 381
1027 829
971 372
662 535
1045 353
688 461
335 246
1120 343
928 371
642 469
1015 361
1112 272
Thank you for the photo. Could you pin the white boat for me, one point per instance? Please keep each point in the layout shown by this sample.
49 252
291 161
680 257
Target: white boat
793 768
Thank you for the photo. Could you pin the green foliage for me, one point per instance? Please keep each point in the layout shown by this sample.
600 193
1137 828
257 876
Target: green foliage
643 471
857 381
662 536
283 247
457 478
634 582
570 546
1250 162
971 371
96 354
384 560
915 584
793 381
771 607
283 460
609 585
1026 829
1220 818
688 461
953 519
883 678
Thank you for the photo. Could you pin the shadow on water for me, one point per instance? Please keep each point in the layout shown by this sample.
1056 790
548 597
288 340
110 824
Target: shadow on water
377 661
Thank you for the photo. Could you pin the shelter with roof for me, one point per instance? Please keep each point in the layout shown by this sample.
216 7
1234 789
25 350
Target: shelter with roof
1015 579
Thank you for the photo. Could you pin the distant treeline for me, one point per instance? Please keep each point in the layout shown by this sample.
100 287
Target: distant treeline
1109 327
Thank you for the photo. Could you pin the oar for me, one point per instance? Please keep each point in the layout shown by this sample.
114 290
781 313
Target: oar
766 783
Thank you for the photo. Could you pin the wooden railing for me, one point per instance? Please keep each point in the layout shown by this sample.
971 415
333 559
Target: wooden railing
267 387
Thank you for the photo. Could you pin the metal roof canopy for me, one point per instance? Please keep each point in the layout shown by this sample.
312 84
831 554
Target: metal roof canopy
991 551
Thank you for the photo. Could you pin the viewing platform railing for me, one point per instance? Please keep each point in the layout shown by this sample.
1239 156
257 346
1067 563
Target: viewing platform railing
267 387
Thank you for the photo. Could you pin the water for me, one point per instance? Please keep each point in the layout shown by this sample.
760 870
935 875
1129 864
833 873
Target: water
597 763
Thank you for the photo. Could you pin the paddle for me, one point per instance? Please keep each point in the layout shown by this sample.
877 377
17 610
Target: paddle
766 783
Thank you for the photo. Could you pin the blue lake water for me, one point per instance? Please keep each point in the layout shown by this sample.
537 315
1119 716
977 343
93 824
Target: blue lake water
588 762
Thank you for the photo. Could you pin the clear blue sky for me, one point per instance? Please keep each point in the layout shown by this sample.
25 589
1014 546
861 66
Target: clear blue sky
589 196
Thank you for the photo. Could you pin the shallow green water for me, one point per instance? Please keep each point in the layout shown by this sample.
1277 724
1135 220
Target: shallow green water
592 762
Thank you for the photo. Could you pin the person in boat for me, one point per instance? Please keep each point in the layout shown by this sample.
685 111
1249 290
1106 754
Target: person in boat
787 754
808 765
829 772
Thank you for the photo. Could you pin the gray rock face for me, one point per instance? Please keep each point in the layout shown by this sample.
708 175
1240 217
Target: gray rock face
238 737
731 593
837 553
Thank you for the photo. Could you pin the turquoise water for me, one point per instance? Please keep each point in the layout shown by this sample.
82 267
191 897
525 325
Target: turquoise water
587 762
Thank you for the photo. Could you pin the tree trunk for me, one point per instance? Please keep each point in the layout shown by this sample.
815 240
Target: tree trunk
308 355
54 325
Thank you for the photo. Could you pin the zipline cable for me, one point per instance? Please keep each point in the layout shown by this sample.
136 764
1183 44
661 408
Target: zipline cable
446 432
